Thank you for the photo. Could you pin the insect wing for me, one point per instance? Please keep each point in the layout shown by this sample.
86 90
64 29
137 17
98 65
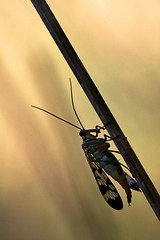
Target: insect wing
106 187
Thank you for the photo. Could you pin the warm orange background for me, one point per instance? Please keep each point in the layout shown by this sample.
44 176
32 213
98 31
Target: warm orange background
47 189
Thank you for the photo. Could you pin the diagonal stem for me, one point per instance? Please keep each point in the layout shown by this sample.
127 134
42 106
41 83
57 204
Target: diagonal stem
98 103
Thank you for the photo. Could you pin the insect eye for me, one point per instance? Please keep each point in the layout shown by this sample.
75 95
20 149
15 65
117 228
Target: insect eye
81 133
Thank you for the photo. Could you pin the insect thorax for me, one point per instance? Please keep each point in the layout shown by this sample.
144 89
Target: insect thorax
96 146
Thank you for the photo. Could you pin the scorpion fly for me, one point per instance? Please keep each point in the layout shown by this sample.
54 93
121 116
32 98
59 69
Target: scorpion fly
102 162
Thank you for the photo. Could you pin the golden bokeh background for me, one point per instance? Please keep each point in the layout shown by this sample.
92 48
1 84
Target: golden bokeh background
47 189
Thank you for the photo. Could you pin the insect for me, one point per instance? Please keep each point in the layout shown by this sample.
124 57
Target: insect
102 162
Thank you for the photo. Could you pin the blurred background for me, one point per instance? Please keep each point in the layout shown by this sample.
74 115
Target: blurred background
47 190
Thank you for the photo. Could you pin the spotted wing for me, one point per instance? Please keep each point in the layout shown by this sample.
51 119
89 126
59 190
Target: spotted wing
106 187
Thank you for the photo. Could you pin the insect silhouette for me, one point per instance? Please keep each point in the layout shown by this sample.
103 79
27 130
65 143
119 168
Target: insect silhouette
102 162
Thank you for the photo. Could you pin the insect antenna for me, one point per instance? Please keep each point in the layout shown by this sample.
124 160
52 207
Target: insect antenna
74 106
56 116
